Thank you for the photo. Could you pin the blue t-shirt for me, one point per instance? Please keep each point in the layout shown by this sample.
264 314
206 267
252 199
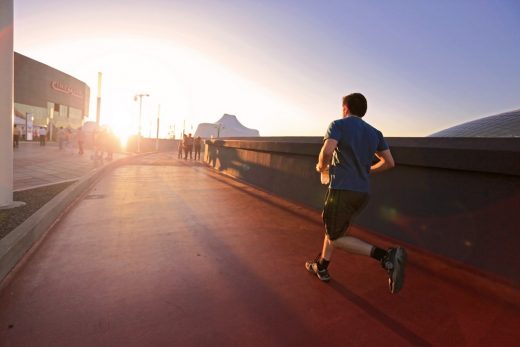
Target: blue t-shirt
357 143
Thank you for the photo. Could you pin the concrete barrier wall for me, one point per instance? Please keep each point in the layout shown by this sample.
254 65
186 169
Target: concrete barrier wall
149 145
456 197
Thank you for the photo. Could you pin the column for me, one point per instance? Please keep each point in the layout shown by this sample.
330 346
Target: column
6 102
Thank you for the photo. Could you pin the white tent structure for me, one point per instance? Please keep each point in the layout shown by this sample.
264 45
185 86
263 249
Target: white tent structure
227 126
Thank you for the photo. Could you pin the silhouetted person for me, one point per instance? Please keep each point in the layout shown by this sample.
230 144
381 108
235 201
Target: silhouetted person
81 140
61 138
68 138
109 143
99 138
180 147
353 144
16 136
197 143
189 147
43 135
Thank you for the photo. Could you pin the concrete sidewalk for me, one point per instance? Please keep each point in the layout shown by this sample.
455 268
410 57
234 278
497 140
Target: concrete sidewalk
167 253
36 165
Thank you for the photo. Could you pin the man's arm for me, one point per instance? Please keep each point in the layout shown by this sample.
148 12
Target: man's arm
386 161
326 152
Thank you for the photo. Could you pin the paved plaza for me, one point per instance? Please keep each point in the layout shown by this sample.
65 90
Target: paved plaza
36 165
168 253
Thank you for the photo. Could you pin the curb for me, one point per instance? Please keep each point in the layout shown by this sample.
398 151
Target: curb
18 242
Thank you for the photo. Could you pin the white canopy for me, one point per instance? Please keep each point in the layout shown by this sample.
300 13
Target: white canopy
229 127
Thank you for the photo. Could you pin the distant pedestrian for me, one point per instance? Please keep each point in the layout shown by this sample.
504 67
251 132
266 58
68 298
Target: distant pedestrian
99 144
180 148
189 147
81 140
185 145
61 138
43 135
95 144
109 143
68 140
197 143
16 136
353 143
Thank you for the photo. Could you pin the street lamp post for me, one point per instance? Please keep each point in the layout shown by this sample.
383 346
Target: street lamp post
157 137
98 105
140 96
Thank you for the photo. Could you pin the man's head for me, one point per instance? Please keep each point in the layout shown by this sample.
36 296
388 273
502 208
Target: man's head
354 104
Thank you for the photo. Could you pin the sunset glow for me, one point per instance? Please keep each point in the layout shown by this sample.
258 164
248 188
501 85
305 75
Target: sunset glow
280 67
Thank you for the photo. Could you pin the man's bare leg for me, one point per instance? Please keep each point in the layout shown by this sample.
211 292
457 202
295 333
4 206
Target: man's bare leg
392 260
319 265
328 247
352 245
347 243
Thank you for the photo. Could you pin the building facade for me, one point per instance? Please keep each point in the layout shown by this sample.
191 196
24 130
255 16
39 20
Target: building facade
44 96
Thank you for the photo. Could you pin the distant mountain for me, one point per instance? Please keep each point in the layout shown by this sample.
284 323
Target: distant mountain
229 127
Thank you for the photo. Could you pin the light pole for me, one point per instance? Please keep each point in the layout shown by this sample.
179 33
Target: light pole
157 137
140 96
98 105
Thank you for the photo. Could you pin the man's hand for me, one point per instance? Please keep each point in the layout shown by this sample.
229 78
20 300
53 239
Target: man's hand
386 161
326 155
320 168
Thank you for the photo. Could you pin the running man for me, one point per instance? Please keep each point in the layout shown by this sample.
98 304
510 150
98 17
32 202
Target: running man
348 150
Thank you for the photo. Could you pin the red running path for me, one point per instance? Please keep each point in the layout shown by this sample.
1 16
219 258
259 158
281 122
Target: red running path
175 255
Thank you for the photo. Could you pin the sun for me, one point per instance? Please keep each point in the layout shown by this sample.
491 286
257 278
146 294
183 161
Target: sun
122 132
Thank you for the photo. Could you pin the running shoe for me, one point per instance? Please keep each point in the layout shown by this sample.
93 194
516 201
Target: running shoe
313 268
394 264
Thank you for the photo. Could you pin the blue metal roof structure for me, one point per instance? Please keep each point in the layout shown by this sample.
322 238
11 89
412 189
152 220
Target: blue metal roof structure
501 125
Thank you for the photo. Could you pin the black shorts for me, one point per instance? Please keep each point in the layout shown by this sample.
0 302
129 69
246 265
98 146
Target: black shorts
341 206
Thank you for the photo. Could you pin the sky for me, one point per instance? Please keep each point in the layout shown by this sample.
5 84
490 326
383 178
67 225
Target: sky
282 67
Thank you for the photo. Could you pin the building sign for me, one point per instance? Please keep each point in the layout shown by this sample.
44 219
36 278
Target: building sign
60 87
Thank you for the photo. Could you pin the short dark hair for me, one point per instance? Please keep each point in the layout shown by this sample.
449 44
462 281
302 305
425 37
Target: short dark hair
356 103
